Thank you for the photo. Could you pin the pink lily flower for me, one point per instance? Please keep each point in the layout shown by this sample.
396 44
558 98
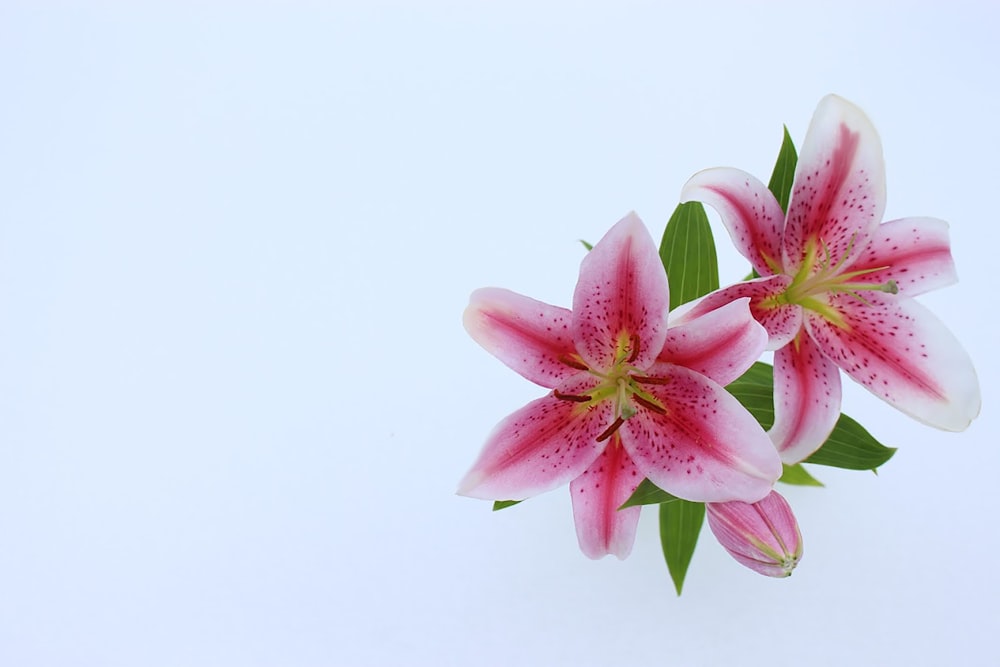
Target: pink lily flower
763 535
836 286
630 398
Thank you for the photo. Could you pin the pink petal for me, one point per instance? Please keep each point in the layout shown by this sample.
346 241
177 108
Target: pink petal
721 344
838 195
904 355
806 399
917 252
597 494
622 294
782 322
531 337
763 536
749 211
543 445
706 447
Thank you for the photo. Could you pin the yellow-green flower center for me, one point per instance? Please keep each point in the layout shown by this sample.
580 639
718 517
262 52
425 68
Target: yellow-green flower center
819 276
621 383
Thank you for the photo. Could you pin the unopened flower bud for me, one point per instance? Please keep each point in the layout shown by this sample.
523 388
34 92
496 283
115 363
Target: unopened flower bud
763 535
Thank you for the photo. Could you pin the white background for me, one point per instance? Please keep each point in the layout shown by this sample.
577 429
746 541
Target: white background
236 240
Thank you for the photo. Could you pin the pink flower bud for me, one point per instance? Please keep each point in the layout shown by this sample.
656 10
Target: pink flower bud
764 535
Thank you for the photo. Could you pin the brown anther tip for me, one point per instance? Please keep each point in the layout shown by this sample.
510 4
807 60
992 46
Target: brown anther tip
635 349
649 404
572 362
576 398
647 379
609 431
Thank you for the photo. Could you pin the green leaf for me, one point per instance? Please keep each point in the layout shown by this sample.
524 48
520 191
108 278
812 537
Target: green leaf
755 390
648 493
680 523
504 504
688 254
851 446
588 246
798 475
784 171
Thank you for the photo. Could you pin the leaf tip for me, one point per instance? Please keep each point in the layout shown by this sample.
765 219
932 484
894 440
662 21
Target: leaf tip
503 504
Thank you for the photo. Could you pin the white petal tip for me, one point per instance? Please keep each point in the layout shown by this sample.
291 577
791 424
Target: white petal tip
956 420
467 487
621 552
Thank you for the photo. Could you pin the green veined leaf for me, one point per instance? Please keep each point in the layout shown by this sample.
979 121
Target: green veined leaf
755 390
798 475
504 504
648 493
849 446
680 524
784 171
688 254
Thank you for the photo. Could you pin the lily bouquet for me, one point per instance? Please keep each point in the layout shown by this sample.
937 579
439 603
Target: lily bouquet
655 392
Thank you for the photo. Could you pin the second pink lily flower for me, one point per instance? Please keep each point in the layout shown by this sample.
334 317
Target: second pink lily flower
835 286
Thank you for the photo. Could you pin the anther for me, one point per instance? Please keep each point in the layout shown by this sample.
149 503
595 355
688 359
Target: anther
572 362
650 380
646 403
635 349
609 431
576 398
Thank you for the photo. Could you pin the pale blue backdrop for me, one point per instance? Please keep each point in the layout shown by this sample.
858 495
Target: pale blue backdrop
236 240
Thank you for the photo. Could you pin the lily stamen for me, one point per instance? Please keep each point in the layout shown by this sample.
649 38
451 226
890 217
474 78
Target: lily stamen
609 431
576 398
646 403
635 349
644 379
573 362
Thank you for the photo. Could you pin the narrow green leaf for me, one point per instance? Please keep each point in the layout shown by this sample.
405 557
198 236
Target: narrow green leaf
798 475
784 171
680 524
504 504
755 390
688 254
851 446
648 493
588 246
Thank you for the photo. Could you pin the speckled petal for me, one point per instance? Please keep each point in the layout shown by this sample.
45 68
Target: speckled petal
782 322
903 354
721 344
916 251
545 444
749 211
622 292
838 195
806 399
529 336
706 447
597 494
